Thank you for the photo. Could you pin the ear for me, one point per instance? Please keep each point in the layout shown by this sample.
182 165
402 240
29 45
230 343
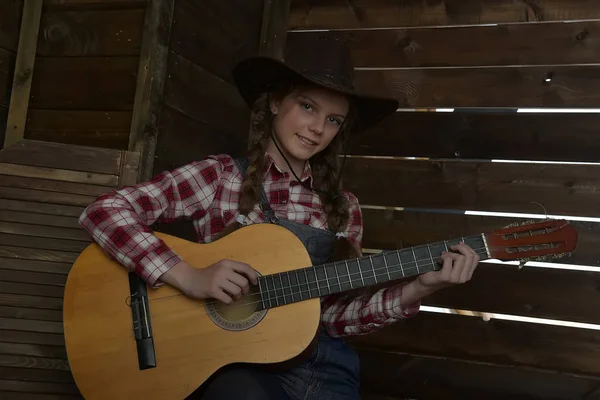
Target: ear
273 104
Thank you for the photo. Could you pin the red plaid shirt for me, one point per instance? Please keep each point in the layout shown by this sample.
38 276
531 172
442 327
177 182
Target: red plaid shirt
207 192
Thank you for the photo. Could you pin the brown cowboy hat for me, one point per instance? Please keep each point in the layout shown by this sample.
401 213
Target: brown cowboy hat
325 62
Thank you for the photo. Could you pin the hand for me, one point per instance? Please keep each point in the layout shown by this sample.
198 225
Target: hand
456 268
225 280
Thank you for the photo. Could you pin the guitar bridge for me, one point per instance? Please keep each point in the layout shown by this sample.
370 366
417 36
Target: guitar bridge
142 327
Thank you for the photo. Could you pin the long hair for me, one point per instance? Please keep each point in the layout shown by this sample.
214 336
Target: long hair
326 168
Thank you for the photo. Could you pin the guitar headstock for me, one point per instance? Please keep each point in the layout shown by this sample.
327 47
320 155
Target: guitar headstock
531 240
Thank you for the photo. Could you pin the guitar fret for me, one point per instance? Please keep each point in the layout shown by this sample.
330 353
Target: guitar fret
337 276
349 276
327 279
361 274
261 294
282 290
373 268
415 257
431 256
387 269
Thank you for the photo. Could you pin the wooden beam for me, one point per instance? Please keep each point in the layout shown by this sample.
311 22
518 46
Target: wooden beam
19 100
274 28
151 79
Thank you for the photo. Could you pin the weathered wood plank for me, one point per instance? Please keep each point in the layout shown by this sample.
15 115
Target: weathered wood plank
337 14
389 229
3 115
36 396
7 67
88 83
87 3
199 34
63 175
24 71
31 325
45 196
34 362
508 343
488 186
129 169
150 84
37 254
35 266
107 129
29 313
53 186
40 242
10 17
35 350
204 97
274 28
70 33
39 219
183 139
486 87
36 375
63 156
39 278
39 387
554 43
26 300
484 135
42 209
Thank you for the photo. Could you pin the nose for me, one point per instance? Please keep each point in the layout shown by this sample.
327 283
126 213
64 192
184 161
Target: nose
318 126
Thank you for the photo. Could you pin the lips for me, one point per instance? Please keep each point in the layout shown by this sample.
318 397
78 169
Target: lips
306 141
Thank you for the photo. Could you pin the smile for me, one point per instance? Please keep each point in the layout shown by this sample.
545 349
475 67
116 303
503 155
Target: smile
307 141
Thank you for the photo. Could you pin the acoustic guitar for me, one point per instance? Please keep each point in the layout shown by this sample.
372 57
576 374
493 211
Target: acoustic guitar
125 340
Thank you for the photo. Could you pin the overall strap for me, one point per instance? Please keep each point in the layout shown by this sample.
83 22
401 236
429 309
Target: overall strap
265 206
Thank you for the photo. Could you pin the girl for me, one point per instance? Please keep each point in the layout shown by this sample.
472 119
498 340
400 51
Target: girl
302 113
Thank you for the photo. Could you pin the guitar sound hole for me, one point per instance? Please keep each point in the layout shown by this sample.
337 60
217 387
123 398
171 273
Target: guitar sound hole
240 315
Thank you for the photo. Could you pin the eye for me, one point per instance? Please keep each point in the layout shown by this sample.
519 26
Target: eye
335 121
307 106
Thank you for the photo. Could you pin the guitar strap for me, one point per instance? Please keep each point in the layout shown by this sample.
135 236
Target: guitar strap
265 206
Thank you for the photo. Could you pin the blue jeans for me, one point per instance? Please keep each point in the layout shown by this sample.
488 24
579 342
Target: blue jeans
331 373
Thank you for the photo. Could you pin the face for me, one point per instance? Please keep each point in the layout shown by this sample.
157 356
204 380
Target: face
307 120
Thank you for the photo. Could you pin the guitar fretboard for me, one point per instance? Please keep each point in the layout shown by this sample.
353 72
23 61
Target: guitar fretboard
340 276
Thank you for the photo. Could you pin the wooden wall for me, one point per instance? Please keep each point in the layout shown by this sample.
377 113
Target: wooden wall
417 173
202 112
85 72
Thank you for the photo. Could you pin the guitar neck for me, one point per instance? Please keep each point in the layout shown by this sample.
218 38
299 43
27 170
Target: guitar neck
341 276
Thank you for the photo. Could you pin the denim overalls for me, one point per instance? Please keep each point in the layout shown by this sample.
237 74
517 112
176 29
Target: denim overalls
330 373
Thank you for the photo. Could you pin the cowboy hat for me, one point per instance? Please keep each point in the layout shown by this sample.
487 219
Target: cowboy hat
325 62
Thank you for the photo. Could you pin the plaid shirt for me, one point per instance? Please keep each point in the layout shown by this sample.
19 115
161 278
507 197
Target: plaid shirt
207 192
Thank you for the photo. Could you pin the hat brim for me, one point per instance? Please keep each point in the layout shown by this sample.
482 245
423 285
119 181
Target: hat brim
257 75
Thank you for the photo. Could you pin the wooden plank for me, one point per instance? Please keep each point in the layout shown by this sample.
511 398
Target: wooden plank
528 44
39 219
35 266
432 378
484 135
33 350
38 387
25 300
199 34
63 156
24 69
58 174
274 28
88 3
34 362
183 139
129 169
7 67
10 18
31 325
36 396
508 343
31 289
40 278
488 186
3 116
107 129
150 84
33 242
88 83
29 313
202 96
45 196
37 375
53 186
338 14
390 229
71 33
37 254
573 87
41 209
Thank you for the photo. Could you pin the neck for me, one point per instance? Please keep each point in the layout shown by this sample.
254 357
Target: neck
297 165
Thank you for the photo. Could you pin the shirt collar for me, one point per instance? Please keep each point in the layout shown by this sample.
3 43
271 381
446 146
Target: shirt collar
272 167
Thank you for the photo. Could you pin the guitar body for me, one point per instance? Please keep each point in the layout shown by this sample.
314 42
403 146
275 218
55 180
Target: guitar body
189 345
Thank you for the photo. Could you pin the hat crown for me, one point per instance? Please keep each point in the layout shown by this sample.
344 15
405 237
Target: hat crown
326 59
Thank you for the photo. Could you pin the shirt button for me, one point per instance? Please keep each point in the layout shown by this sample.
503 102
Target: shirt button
284 201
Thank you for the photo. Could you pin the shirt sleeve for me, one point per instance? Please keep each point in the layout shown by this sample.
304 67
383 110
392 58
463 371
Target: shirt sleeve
350 314
119 221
